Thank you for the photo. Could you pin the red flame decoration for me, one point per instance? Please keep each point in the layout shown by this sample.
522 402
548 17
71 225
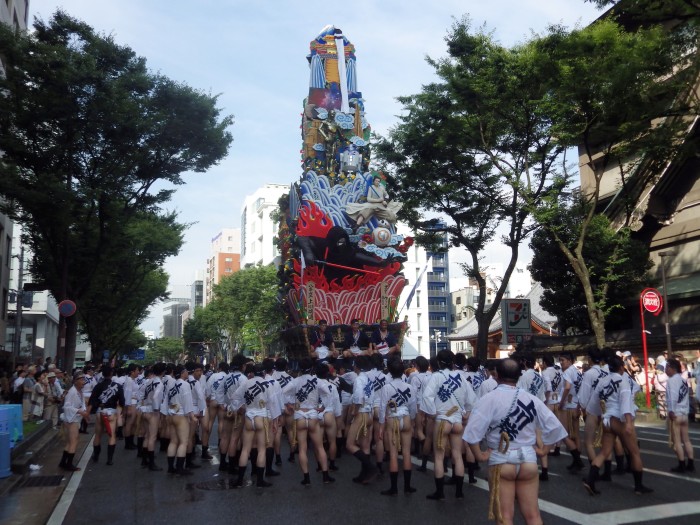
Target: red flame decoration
313 222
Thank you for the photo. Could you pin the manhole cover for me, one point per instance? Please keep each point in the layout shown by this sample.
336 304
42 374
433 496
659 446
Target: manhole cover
41 481
219 484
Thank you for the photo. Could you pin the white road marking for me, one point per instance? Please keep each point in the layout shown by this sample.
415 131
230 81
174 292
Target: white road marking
59 513
632 515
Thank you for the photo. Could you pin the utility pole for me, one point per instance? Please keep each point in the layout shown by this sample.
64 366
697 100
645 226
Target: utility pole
17 343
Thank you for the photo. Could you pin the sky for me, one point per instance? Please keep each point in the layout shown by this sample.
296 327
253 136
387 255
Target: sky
252 55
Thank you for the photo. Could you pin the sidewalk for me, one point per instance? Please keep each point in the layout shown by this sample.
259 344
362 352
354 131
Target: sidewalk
28 496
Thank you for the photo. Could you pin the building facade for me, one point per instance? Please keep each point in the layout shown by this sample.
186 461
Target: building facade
425 301
173 315
15 13
258 228
224 259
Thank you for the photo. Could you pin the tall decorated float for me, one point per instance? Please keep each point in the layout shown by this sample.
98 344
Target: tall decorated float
341 254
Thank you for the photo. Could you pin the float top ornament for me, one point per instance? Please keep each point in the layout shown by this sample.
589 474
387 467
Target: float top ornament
342 256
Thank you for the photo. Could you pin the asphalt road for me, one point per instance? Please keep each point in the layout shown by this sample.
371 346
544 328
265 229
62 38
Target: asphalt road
124 493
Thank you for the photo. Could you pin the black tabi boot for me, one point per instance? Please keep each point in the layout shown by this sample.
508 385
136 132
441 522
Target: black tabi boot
360 457
576 464
205 453
139 447
120 433
394 488
470 472
331 465
180 467
62 464
423 464
171 465
129 443
233 464
152 462
640 489
307 480
680 468
278 459
69 463
439 493
628 463
607 471
544 475
189 461
269 457
241 476
689 465
261 478
339 444
164 444
110 454
556 452
96 453
145 457
223 464
407 488
459 484
327 478
620 465
589 482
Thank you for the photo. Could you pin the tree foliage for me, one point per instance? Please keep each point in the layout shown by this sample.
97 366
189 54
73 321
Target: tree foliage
245 307
92 141
607 99
475 148
617 263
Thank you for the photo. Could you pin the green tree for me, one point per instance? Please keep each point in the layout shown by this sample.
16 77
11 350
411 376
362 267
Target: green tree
616 263
166 350
119 299
209 325
605 94
475 148
91 141
247 300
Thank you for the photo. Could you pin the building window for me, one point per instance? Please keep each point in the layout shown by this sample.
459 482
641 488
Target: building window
418 322
458 300
228 270
228 259
418 299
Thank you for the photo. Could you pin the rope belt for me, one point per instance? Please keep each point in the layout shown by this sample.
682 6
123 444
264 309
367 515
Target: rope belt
440 445
362 430
395 429
266 423
598 439
495 497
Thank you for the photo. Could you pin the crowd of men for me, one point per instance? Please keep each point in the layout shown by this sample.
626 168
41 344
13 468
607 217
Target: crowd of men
450 410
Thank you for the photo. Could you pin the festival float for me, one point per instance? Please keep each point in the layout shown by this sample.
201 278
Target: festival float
341 256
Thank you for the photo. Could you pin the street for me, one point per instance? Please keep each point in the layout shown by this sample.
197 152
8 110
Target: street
124 493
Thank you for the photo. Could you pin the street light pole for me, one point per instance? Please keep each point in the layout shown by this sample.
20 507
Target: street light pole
663 256
17 342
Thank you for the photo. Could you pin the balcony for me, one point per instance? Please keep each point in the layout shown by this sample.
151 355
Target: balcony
437 277
437 324
437 293
438 308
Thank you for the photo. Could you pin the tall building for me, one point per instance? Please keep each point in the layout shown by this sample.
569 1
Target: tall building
197 290
258 228
173 317
429 309
224 259
16 14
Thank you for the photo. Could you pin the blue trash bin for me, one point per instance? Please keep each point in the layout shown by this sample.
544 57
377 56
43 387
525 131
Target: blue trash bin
5 455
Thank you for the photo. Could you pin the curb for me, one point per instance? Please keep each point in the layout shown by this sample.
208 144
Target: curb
27 452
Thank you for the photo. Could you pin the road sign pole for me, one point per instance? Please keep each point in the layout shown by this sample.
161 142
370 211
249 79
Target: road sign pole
646 354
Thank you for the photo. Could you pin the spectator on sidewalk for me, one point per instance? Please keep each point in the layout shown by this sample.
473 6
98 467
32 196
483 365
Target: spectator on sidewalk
53 400
39 395
28 392
4 388
18 387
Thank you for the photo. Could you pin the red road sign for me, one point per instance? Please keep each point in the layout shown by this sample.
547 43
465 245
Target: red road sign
652 301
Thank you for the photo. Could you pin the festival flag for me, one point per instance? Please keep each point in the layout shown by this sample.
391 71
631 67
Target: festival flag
407 304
